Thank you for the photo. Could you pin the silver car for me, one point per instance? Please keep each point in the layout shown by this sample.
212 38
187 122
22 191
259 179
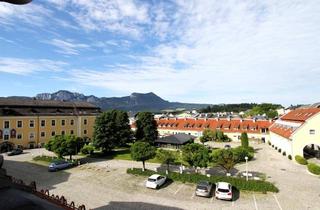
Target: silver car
204 189
59 165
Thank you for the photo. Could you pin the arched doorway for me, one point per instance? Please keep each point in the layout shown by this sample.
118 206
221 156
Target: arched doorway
312 151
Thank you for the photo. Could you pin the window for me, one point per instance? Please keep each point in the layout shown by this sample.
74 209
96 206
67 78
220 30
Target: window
19 136
63 122
19 124
53 133
31 123
6 124
42 134
71 132
84 131
43 123
71 122
85 121
63 132
6 137
312 132
31 136
53 122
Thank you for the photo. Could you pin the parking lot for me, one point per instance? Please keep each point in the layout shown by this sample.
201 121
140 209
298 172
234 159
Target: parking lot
104 184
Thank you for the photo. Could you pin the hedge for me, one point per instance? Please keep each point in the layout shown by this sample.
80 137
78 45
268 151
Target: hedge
314 168
87 149
289 157
239 183
301 160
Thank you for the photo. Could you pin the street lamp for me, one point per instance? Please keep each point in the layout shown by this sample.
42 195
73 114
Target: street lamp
246 157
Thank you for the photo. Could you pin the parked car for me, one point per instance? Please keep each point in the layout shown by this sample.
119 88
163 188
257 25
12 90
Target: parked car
155 181
204 189
15 152
59 165
223 191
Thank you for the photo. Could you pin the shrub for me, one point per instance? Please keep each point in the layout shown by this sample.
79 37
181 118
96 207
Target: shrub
279 150
289 157
314 168
272 145
241 152
301 160
269 142
87 149
284 154
276 148
239 183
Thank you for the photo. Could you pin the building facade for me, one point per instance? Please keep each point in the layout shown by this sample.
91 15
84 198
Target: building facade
31 123
256 129
296 130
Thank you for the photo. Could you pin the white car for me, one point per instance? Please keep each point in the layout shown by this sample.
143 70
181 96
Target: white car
223 191
155 181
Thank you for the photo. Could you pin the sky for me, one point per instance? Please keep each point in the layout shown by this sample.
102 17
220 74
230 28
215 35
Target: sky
201 51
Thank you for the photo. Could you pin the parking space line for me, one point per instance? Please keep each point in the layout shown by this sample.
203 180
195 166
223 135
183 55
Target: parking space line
178 189
193 194
277 201
211 199
255 202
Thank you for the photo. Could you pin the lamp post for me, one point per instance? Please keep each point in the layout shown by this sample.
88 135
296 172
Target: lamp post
246 167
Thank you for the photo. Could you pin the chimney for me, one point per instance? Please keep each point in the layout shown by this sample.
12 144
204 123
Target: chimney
185 119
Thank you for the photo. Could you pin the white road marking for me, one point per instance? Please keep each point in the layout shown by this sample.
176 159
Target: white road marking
211 199
232 203
275 197
193 194
178 189
255 202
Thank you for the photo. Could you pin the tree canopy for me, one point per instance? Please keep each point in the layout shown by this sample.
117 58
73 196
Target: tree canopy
146 127
63 145
213 135
142 151
224 158
112 129
244 140
166 157
270 110
195 155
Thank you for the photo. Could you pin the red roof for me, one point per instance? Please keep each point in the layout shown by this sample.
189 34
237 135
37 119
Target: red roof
300 115
282 130
225 125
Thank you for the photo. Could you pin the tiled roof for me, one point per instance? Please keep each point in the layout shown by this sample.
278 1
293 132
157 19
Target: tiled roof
178 139
300 115
281 130
225 125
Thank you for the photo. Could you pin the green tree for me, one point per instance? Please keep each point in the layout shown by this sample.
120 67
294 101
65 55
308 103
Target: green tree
207 135
146 127
196 155
225 158
142 151
244 140
111 129
166 157
63 145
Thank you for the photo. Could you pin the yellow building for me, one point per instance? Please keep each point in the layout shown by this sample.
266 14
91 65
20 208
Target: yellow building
31 123
298 132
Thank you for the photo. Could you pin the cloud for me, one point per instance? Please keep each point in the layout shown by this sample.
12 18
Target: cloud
68 47
29 66
226 52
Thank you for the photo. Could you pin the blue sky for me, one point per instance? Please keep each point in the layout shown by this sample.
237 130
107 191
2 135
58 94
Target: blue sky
189 51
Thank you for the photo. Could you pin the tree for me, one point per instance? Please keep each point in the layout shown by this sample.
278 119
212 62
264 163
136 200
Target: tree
196 155
111 129
146 127
142 151
244 140
166 157
207 135
225 158
63 145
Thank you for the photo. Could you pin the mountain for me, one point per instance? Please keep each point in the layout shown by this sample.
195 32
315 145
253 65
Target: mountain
135 102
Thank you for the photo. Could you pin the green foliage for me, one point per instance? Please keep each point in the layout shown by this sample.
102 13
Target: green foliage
63 145
265 108
112 129
314 168
142 151
228 108
146 127
239 183
87 149
214 135
45 158
289 157
244 140
224 158
241 152
166 157
195 155
284 153
301 160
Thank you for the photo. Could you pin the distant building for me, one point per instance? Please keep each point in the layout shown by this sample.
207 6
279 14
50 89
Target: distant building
31 123
297 131
174 141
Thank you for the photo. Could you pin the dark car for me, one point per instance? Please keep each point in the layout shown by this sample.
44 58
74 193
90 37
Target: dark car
59 165
204 189
15 152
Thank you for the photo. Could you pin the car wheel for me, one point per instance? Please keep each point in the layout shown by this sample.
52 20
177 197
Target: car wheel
157 187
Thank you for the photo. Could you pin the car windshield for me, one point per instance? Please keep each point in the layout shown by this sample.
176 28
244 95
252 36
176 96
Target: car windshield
201 187
151 180
223 190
